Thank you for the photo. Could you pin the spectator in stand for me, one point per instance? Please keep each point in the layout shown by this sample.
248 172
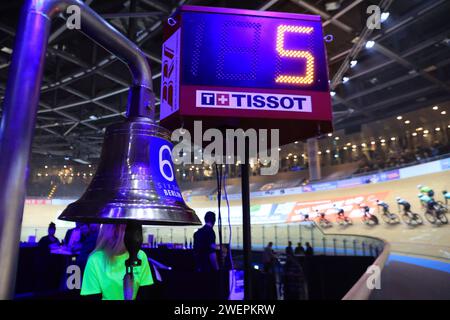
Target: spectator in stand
289 249
309 250
49 241
44 266
87 245
105 268
295 285
205 245
299 250
75 237
269 258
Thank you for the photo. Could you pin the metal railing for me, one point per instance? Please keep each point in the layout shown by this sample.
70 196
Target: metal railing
279 234
360 290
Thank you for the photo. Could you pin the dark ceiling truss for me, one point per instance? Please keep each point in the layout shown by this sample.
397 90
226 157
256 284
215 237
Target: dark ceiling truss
329 18
408 76
87 70
73 115
351 118
357 47
403 22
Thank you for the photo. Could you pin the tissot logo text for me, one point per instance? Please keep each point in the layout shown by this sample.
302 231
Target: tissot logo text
254 101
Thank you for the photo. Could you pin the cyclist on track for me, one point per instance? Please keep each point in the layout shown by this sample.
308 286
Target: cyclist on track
426 200
425 190
321 214
405 204
384 205
446 196
340 211
366 210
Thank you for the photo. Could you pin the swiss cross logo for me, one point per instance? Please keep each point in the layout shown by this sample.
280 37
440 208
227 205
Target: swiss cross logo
223 99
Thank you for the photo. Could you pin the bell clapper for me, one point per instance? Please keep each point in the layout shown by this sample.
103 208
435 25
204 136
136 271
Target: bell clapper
133 241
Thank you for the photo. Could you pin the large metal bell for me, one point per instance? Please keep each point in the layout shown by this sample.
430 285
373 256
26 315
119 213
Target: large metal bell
135 180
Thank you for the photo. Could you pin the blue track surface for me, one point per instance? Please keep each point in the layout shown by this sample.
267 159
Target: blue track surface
423 262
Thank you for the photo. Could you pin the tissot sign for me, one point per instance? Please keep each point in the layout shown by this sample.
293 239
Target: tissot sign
253 66
255 101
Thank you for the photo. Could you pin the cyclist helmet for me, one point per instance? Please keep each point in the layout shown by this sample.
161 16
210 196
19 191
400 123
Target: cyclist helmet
444 192
419 186
398 199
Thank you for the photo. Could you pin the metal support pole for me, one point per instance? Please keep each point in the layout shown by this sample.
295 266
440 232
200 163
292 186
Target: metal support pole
276 236
16 132
263 236
246 223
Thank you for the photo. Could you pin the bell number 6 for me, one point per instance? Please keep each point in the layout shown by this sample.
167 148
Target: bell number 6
165 163
308 77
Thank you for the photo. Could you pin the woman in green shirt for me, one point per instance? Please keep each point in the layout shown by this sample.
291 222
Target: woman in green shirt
105 268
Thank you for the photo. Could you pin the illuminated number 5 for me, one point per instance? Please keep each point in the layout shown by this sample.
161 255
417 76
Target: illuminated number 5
308 78
163 163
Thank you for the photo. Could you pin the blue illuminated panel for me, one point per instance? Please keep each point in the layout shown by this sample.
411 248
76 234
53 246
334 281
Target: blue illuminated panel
227 50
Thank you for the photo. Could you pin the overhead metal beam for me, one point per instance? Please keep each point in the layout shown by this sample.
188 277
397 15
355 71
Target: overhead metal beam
342 12
405 63
398 98
157 5
324 15
96 69
365 34
132 15
385 32
68 116
86 97
268 5
71 128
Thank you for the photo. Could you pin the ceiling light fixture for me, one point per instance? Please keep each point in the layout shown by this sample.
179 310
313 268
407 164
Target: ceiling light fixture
384 16
370 44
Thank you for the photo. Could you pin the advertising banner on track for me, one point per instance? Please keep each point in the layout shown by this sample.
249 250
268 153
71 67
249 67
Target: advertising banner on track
350 204
38 201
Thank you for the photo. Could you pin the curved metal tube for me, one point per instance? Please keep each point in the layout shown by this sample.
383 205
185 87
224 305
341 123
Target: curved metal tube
21 104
